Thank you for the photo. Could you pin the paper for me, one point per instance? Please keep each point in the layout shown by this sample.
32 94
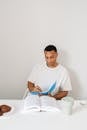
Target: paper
40 103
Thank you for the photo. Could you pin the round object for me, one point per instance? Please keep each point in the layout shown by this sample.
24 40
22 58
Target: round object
1 113
5 108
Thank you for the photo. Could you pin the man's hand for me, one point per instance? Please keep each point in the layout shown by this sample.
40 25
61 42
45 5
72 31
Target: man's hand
37 89
59 95
49 95
33 88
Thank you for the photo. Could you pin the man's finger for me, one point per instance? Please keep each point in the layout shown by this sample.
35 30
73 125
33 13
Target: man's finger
38 88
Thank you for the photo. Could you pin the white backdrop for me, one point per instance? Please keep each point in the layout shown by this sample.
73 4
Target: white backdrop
26 26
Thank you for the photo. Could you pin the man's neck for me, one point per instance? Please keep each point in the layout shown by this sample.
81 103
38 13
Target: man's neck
53 66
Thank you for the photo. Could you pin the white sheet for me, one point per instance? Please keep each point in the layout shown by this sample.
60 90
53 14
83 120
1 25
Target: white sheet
43 120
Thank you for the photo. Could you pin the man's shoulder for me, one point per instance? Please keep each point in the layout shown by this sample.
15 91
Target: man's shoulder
63 68
42 66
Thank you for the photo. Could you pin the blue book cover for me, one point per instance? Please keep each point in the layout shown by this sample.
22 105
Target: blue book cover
51 88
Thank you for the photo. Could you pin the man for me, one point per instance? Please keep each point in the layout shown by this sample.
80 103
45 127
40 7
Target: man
44 75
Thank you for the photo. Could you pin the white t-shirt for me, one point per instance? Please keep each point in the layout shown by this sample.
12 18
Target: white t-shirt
44 77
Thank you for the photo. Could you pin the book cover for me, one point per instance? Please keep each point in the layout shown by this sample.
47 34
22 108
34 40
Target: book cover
51 88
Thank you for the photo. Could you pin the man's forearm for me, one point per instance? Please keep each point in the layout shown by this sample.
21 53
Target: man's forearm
33 88
60 94
30 86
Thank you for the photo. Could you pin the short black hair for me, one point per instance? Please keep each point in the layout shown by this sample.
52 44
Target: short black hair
50 48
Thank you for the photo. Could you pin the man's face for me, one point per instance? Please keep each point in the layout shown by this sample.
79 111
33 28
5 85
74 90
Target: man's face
50 57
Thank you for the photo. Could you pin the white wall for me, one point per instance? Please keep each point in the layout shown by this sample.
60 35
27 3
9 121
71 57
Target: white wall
26 26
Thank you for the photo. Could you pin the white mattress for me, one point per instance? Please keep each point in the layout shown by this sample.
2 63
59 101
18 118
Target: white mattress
43 120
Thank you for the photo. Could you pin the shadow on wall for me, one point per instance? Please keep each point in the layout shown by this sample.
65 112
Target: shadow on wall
64 59
76 85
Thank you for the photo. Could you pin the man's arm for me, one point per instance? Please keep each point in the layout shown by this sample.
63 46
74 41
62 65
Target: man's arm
30 86
57 96
33 88
60 95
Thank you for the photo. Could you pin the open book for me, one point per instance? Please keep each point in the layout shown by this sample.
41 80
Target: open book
51 88
40 103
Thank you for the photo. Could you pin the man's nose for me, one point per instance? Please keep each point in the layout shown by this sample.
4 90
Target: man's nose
49 60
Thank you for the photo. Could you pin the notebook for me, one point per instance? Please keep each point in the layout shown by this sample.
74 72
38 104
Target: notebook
40 103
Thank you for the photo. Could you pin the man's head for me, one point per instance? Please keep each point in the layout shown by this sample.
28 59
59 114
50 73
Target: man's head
51 54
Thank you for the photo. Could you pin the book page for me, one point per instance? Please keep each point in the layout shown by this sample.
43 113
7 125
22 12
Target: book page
32 103
48 103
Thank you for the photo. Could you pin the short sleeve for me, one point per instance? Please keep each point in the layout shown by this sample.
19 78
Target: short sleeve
66 83
32 76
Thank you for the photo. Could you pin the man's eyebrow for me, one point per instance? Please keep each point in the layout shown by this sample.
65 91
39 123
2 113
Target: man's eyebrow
48 56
